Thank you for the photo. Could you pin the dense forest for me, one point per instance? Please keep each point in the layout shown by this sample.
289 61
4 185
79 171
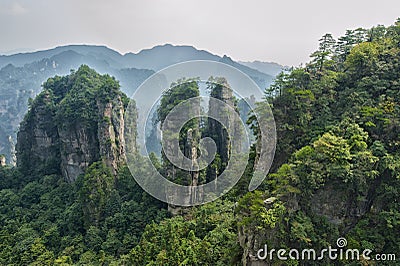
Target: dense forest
336 171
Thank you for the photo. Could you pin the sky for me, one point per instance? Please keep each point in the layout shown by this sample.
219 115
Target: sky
285 32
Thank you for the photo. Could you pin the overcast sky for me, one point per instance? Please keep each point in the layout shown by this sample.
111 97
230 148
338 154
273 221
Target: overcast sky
281 31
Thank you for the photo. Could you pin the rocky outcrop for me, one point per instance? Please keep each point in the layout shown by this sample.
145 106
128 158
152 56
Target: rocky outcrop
220 90
81 146
110 132
254 236
75 121
226 129
2 160
180 137
340 208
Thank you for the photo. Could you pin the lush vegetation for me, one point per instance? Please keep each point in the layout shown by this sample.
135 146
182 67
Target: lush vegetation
336 170
336 173
95 219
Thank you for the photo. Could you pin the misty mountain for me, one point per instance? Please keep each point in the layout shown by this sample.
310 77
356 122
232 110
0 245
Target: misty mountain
162 56
100 53
102 59
270 68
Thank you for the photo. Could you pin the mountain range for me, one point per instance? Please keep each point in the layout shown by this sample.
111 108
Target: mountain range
155 58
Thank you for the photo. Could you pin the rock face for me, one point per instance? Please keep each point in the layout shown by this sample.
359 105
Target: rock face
331 203
38 139
181 140
220 90
2 160
253 237
340 207
82 146
75 121
251 242
222 135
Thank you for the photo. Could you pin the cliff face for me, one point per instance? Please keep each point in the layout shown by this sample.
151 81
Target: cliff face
188 140
221 91
330 203
222 135
38 139
75 121
81 146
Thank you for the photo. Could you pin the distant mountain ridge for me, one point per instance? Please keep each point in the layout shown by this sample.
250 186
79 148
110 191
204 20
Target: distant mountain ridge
20 59
270 68
161 56
154 59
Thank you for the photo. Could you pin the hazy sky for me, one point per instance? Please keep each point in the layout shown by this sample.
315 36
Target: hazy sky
281 31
